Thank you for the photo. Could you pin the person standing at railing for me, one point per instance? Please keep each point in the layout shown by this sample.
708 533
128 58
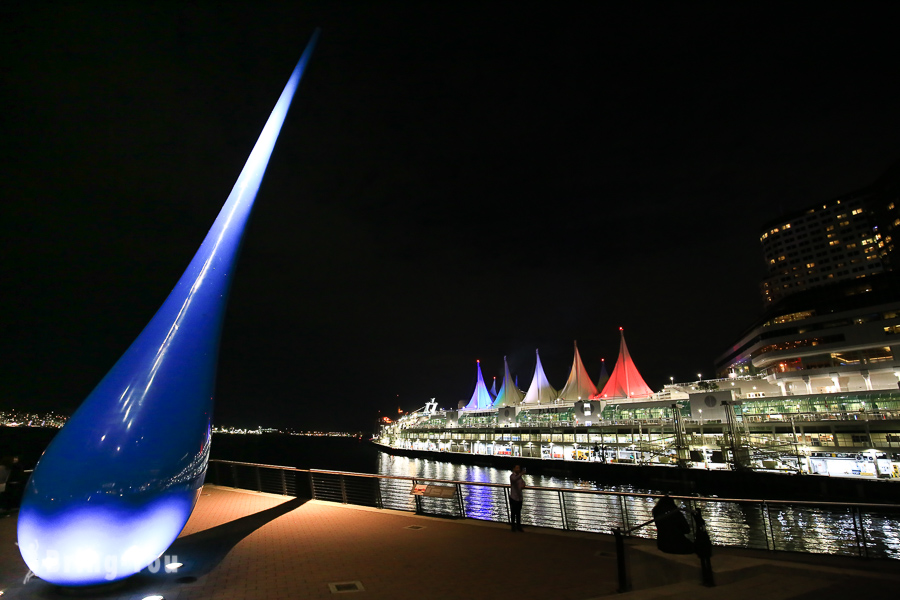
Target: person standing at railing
516 485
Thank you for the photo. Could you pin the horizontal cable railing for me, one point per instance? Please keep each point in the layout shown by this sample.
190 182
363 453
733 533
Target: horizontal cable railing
859 529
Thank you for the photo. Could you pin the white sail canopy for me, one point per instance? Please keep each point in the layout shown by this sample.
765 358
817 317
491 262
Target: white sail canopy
579 386
540 391
509 394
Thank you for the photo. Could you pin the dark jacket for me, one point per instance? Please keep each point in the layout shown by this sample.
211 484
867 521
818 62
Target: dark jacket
672 529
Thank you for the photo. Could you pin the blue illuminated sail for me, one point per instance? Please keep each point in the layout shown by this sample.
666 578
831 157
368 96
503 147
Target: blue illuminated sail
481 397
119 481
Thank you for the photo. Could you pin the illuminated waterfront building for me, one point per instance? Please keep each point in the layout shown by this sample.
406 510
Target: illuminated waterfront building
849 237
846 422
842 338
832 298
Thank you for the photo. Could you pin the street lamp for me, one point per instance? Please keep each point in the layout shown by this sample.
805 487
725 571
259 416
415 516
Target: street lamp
702 442
699 377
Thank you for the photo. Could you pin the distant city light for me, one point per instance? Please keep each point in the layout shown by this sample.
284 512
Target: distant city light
15 418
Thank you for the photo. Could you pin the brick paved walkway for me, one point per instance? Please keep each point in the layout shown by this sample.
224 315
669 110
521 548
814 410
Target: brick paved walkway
244 545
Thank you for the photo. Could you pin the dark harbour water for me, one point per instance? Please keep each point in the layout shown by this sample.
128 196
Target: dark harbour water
791 527
325 453
338 454
359 456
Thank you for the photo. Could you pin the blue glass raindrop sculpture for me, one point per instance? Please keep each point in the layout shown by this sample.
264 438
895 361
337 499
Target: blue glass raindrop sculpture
119 481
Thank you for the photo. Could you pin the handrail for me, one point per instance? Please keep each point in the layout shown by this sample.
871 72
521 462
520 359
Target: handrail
249 464
819 503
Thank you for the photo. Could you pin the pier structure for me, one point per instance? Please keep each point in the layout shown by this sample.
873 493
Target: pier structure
837 434
731 423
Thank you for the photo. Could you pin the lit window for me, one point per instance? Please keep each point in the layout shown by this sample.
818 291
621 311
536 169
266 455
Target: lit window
857 211
810 265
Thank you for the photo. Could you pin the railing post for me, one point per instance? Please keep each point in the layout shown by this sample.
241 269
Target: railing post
312 485
623 508
622 567
459 498
258 480
417 499
343 490
562 510
768 530
283 483
508 509
216 469
379 503
856 531
862 529
234 477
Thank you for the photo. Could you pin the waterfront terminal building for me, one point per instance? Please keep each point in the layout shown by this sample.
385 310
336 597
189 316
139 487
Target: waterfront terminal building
742 421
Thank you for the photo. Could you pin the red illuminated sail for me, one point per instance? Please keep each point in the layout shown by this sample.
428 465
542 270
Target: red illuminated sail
625 381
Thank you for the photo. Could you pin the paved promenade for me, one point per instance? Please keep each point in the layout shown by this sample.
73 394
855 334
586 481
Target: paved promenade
246 545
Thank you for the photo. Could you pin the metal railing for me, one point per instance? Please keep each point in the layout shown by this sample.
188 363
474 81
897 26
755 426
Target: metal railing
860 529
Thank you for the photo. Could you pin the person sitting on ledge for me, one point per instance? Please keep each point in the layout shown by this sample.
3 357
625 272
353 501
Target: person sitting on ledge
672 529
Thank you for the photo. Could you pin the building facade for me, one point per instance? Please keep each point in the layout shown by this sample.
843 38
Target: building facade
849 237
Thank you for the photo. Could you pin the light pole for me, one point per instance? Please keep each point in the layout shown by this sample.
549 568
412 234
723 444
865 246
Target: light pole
702 440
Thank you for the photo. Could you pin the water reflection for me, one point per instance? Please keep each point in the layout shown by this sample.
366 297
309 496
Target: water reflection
787 527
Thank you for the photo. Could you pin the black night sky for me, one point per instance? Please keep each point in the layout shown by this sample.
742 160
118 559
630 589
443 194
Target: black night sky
454 181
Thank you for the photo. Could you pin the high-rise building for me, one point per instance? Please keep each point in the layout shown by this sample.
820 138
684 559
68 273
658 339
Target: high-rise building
849 237
832 295
845 238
